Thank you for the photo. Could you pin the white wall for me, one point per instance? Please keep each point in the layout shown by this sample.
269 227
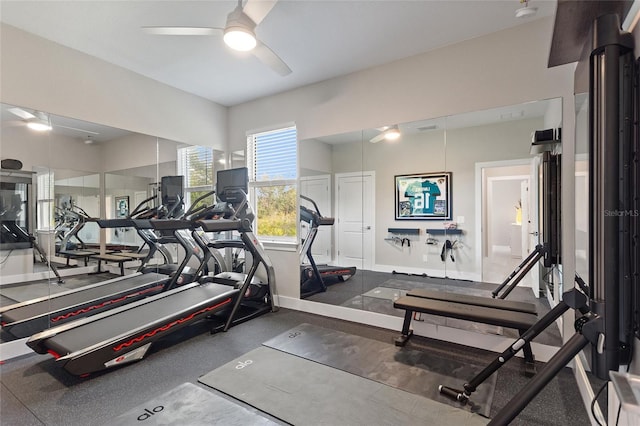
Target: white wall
503 68
48 150
44 75
428 152
314 158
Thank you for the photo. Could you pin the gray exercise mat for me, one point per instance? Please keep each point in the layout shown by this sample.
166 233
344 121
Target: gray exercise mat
189 404
303 392
411 370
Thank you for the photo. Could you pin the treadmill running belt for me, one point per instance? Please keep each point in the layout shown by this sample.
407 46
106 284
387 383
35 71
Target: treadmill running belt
74 298
140 315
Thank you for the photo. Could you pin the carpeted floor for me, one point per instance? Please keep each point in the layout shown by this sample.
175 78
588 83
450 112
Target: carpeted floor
36 391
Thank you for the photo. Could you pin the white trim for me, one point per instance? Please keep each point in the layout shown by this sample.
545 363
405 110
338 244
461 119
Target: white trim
482 341
633 17
270 128
291 246
586 390
433 273
14 349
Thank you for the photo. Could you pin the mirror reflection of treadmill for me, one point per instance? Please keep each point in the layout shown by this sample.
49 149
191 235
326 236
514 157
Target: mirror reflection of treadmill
315 278
125 334
32 316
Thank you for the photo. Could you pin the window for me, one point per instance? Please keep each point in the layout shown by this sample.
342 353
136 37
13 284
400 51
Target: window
45 199
273 169
196 164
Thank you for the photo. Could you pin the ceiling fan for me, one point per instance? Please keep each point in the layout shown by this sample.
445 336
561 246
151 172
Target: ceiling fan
389 133
39 121
238 33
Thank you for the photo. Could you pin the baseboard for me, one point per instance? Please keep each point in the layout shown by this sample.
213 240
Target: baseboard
433 273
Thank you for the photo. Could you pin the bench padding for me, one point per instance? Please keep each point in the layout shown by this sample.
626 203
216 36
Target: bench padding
468 299
493 316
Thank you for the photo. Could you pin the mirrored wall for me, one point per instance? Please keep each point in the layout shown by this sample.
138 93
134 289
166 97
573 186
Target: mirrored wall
69 174
452 204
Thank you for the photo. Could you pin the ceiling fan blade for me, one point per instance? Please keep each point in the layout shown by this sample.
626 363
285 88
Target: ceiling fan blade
268 57
190 31
257 10
25 115
377 139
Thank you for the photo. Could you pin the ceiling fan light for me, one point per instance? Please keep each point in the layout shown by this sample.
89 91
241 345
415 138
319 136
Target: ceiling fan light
239 38
392 134
39 126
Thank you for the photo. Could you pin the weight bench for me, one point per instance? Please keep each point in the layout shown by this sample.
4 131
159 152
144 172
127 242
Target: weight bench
111 258
470 308
76 254
467 299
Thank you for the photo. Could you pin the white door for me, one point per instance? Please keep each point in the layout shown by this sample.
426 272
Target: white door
355 219
318 188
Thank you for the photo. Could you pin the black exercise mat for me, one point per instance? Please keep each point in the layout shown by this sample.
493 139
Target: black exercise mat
191 405
411 370
303 392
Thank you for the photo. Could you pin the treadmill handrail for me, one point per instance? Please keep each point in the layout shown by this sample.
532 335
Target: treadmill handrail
64 293
36 339
220 225
115 223
53 331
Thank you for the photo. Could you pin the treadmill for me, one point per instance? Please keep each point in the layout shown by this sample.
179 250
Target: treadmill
125 334
32 316
315 278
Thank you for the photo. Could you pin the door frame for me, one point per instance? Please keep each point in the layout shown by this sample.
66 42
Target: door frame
372 197
479 167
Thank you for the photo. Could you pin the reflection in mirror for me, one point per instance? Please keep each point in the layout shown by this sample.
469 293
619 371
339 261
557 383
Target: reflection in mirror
79 172
582 185
452 205
331 166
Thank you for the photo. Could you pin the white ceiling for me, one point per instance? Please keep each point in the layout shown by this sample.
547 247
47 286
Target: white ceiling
317 39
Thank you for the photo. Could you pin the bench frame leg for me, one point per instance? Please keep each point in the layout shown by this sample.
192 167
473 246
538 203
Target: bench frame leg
406 329
523 342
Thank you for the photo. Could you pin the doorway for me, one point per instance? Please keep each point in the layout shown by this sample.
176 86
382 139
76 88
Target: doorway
507 207
318 188
355 219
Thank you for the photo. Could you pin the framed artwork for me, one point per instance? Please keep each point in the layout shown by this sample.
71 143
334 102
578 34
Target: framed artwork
122 206
423 196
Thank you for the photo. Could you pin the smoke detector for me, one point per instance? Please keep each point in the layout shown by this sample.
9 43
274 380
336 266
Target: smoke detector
526 11
88 140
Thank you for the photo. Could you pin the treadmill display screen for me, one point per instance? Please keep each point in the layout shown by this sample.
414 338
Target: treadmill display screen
233 184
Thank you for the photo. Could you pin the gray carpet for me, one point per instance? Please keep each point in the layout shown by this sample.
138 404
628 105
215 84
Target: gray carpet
410 370
42 392
303 392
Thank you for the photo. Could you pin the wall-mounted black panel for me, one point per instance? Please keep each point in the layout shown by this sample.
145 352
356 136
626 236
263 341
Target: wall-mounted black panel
573 22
